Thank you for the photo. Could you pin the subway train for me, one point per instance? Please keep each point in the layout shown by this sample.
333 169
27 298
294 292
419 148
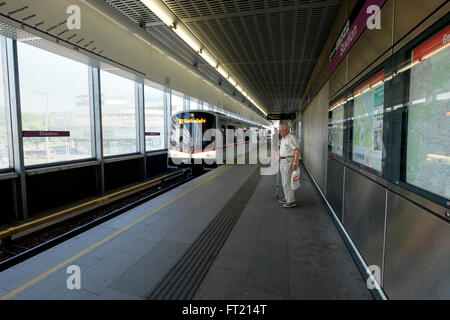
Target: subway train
193 143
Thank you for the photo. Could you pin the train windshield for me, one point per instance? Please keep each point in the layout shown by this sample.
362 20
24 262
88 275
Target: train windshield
188 128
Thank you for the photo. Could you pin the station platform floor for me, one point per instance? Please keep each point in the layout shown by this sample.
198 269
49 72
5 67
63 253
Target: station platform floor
270 253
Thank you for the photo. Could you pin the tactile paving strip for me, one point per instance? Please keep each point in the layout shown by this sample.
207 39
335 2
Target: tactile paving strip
183 280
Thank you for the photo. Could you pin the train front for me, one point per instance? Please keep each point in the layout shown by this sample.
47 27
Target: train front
192 141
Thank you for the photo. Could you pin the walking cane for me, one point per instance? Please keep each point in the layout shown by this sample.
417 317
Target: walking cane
278 180
278 170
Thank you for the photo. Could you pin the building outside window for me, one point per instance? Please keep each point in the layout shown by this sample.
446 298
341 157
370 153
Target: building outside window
193 104
118 115
154 118
177 102
4 148
55 107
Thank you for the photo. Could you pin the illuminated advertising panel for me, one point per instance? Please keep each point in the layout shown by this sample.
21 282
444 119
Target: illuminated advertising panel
336 138
368 123
428 132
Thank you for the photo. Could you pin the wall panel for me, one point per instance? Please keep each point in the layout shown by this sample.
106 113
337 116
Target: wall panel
339 78
409 34
315 136
364 215
335 186
417 252
408 13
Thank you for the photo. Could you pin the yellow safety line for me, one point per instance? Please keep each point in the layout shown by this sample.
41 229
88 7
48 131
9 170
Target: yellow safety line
95 245
26 226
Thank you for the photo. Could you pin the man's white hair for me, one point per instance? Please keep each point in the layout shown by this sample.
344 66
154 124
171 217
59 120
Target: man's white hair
283 126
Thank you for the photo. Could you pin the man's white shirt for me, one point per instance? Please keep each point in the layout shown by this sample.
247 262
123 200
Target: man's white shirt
288 145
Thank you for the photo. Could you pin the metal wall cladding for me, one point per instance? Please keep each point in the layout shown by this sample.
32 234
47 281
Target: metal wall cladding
410 12
315 137
339 78
417 261
335 180
364 216
405 20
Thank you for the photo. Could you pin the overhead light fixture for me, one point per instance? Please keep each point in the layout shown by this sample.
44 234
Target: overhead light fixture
209 58
165 15
161 11
223 72
193 43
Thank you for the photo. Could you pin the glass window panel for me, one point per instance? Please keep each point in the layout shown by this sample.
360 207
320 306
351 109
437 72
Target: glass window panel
154 119
193 104
428 130
177 102
186 105
368 123
55 107
4 148
118 115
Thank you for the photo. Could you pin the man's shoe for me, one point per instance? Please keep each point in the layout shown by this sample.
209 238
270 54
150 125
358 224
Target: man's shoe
290 205
282 201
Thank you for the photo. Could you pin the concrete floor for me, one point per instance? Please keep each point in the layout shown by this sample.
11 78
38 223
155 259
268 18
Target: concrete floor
277 253
130 264
272 253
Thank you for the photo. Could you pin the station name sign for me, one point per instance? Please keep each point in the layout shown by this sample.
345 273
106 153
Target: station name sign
283 116
153 134
351 34
43 134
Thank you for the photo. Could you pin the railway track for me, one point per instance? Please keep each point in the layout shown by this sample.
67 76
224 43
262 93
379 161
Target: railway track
21 248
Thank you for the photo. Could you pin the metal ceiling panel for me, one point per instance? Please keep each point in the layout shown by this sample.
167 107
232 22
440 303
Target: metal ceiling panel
270 46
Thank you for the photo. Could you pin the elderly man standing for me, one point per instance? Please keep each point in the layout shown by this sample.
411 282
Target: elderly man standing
289 157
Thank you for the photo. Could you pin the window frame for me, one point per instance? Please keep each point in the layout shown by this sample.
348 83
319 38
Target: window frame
396 120
136 118
330 113
8 116
165 112
62 163
179 95
349 122
399 118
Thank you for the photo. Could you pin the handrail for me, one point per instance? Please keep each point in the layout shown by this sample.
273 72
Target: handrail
29 225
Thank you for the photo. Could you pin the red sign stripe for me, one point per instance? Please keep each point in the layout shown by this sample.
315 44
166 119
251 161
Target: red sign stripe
371 82
434 45
44 134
